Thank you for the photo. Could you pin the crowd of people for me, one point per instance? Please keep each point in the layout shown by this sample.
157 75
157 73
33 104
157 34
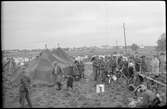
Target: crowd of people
130 67
115 64
103 70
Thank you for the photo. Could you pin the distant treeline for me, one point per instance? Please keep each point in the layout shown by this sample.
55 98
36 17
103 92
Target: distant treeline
147 50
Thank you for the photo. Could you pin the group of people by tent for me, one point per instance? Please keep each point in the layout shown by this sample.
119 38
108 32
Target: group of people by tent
111 68
50 68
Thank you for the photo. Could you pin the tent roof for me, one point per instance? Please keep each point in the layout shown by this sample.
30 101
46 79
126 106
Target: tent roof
42 63
47 58
62 56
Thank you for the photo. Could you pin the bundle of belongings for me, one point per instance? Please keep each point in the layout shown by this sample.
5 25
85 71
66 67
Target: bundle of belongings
145 98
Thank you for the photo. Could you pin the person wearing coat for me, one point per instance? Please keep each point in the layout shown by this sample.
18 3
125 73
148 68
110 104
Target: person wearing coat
95 68
162 58
58 75
70 80
155 65
143 64
131 71
24 90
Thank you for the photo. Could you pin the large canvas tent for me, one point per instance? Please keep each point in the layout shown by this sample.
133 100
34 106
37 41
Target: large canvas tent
9 65
41 68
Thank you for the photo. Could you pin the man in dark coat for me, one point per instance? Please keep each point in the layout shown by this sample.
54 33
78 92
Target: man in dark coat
70 81
131 71
95 68
24 90
114 64
137 63
102 70
143 64
82 69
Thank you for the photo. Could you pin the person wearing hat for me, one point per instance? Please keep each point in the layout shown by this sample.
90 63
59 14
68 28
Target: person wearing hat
24 89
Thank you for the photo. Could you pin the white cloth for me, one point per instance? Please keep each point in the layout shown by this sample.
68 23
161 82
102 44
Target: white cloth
99 88
131 64
114 77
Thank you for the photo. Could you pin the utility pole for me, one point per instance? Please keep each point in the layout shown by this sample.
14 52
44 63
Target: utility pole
125 38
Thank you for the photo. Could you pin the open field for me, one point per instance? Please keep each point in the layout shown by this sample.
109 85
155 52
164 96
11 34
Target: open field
84 92
83 95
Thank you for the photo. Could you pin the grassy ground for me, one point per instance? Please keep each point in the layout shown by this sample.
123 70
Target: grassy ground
83 95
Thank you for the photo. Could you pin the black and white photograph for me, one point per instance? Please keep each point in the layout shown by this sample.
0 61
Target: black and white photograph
83 54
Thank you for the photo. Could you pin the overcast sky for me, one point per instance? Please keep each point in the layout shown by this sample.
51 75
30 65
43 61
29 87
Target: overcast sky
29 25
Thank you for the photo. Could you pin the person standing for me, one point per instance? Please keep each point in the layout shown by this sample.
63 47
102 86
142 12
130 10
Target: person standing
95 68
137 63
143 64
98 69
162 58
102 70
131 70
58 74
70 81
24 90
155 65
113 64
82 69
